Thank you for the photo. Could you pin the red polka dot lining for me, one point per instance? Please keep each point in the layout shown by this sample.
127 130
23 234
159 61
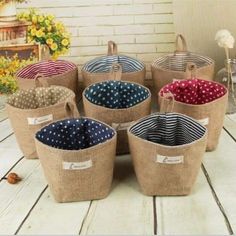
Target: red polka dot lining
194 91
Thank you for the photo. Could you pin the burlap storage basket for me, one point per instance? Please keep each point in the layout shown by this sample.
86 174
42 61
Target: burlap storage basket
205 101
45 73
97 70
29 110
167 151
174 66
78 160
118 104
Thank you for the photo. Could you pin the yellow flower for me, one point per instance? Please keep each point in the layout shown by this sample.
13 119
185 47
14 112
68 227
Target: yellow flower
47 22
25 15
49 41
54 46
59 26
49 28
34 19
65 42
40 19
64 50
50 17
33 32
39 34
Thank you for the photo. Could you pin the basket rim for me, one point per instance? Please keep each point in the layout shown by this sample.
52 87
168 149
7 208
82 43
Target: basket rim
72 97
75 67
198 105
95 147
156 65
107 56
118 109
204 136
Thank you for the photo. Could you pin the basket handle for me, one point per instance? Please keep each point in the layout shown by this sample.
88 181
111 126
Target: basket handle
167 103
183 47
71 110
40 82
112 48
115 72
191 70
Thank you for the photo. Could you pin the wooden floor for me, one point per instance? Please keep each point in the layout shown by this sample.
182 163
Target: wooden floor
28 207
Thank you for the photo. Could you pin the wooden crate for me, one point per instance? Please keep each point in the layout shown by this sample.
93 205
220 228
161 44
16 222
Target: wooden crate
24 51
13 32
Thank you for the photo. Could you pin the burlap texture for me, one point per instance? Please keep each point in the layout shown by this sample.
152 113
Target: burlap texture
116 117
91 78
68 79
51 102
164 179
214 111
162 76
78 185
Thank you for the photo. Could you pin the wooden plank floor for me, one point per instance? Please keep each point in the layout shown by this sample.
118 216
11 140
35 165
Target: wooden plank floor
28 207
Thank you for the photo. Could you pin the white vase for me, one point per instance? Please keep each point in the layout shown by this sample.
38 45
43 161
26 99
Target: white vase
8 11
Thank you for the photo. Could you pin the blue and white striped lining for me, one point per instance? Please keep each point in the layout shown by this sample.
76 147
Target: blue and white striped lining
74 134
104 64
168 129
116 94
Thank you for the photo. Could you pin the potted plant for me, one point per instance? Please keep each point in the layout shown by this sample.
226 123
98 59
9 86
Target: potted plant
44 29
8 68
8 9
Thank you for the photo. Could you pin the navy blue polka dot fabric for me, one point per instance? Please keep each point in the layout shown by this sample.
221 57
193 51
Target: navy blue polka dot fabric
74 134
116 94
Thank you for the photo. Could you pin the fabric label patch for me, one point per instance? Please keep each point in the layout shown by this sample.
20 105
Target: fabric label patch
169 160
77 165
121 126
204 121
39 120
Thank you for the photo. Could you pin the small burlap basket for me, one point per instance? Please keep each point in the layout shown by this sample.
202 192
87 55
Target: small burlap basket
174 66
78 160
167 151
29 110
203 100
118 104
45 73
97 70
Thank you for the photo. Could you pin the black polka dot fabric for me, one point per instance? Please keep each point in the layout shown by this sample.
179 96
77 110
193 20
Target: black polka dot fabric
116 94
75 134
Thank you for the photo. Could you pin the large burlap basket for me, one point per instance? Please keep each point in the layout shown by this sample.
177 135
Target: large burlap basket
29 110
118 104
167 151
205 101
97 70
174 66
45 73
78 160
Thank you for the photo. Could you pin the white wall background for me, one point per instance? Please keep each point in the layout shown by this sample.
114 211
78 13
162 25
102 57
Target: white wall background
142 29
199 20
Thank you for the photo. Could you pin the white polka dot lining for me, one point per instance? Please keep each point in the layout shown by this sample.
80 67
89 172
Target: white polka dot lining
116 94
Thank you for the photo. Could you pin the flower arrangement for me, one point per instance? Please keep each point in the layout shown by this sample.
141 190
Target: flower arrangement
8 68
47 31
226 41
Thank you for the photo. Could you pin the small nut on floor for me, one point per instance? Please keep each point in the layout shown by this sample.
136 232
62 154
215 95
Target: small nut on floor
13 178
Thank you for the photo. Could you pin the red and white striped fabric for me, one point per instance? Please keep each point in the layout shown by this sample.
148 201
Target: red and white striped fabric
194 91
46 69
